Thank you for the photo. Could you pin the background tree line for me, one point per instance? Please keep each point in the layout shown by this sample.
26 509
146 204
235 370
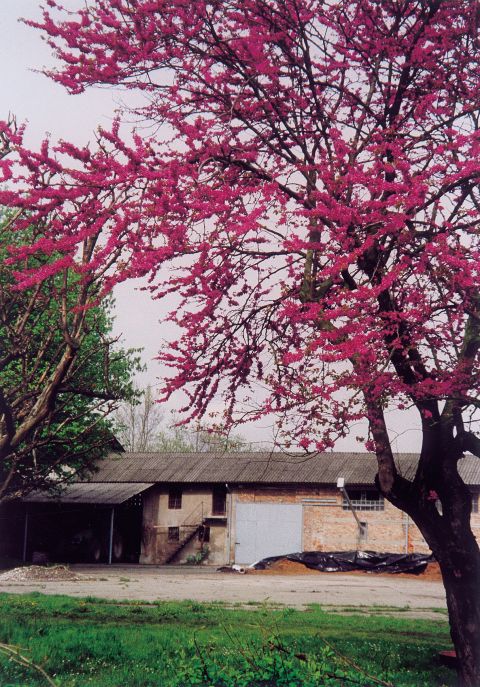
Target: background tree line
141 426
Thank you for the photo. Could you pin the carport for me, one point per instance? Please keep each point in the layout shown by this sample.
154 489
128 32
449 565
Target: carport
91 522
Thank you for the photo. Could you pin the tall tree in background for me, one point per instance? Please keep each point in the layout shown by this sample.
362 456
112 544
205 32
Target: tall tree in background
141 426
138 423
61 375
313 181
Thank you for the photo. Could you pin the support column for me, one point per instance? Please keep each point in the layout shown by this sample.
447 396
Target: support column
110 539
25 536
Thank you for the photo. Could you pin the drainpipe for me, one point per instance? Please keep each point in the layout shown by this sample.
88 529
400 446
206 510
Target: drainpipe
110 538
341 486
229 525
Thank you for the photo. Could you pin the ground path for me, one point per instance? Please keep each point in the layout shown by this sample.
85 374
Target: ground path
410 597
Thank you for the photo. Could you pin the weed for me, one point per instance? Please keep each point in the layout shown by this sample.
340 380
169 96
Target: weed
199 557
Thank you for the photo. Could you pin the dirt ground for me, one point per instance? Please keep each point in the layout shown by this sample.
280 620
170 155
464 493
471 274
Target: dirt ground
409 594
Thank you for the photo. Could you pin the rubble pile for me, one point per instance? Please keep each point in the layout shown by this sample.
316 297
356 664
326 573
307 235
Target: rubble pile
40 573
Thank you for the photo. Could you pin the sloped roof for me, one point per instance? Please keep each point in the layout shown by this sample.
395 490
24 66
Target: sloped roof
91 492
258 468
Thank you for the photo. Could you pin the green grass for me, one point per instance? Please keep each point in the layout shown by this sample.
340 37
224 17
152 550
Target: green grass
102 643
385 610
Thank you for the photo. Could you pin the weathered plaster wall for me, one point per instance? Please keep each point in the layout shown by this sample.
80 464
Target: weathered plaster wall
196 505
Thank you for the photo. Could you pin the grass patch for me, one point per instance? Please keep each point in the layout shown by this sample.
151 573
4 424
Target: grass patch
101 643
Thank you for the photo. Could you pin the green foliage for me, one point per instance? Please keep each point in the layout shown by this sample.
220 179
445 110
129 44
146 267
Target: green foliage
199 557
271 664
69 428
188 644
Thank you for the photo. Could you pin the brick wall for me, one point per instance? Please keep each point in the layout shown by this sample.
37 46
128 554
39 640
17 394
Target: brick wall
328 527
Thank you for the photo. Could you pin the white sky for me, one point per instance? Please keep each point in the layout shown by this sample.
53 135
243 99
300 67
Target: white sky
48 108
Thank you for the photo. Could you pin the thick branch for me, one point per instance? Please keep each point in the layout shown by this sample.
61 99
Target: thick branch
469 442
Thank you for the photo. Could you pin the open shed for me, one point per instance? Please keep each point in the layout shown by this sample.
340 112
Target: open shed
87 522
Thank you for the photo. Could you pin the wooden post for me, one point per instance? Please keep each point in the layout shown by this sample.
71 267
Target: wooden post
25 536
110 540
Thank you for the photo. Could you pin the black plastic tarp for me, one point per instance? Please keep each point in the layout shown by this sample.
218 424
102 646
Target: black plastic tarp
346 561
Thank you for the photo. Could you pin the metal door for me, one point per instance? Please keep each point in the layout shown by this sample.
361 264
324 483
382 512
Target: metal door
267 529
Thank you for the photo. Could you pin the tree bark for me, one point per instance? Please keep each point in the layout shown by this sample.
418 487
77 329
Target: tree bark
462 586
454 546
440 504
457 552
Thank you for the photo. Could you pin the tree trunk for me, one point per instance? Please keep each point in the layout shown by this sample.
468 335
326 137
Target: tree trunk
461 577
459 560
440 504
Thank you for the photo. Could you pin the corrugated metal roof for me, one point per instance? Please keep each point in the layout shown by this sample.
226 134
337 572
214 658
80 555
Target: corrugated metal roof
469 469
261 468
91 492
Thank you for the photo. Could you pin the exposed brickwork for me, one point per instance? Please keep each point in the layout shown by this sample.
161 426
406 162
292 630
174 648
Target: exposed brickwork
327 527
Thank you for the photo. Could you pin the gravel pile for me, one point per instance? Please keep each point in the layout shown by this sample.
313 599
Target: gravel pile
40 573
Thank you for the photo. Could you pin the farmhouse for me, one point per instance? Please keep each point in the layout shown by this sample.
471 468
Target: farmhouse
160 508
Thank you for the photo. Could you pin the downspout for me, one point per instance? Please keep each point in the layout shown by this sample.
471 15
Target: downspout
229 525
341 486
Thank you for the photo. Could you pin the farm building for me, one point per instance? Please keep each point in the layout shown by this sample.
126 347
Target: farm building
158 508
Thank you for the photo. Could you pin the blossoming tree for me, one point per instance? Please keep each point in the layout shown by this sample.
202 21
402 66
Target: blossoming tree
310 180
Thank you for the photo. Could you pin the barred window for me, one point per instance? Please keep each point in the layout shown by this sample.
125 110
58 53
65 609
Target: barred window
173 533
364 500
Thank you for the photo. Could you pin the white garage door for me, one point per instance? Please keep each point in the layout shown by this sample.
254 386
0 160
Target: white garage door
267 529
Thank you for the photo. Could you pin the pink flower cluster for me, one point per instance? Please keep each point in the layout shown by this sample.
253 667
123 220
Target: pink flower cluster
309 190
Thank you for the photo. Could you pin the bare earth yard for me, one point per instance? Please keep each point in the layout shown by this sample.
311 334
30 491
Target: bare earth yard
127 582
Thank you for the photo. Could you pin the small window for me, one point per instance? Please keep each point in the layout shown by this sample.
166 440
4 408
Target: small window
364 500
219 501
204 534
173 533
175 499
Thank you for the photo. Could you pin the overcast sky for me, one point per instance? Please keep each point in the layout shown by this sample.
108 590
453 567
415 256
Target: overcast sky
48 108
